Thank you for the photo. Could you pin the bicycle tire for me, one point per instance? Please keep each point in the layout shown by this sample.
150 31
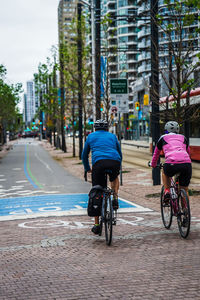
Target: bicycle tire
108 215
184 216
166 211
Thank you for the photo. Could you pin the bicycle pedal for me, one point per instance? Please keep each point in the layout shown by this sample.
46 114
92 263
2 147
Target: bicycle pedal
114 222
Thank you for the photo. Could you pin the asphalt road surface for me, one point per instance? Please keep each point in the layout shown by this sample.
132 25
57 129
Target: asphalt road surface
28 169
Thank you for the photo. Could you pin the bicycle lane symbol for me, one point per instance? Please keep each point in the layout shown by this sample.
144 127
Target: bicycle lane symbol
126 220
74 224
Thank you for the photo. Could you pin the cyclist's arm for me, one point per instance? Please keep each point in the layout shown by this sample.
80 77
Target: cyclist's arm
156 153
118 148
85 155
187 147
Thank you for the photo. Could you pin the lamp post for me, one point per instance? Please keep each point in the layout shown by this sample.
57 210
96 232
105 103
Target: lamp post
154 89
98 58
91 6
80 81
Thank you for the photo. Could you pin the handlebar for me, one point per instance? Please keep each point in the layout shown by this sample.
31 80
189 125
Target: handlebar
160 165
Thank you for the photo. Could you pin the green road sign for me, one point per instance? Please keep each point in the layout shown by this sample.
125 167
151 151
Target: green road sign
118 86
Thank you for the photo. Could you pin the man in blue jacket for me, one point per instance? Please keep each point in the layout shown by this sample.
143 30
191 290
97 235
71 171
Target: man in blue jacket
106 155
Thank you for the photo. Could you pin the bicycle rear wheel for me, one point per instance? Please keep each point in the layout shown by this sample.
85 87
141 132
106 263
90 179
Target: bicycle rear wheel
108 213
183 217
166 211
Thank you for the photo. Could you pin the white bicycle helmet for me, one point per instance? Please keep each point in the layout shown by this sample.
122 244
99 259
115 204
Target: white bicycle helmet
172 126
101 124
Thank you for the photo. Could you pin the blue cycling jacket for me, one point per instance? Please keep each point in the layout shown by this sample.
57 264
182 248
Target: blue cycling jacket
103 145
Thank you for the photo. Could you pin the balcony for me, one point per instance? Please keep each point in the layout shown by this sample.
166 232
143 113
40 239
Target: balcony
143 44
144 56
109 2
143 33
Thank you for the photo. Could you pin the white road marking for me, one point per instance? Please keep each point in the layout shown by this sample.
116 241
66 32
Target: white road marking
16 169
3 179
14 187
142 174
2 175
145 182
21 181
78 206
44 163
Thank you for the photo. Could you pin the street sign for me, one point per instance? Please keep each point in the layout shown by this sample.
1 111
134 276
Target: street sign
114 109
119 94
118 86
146 99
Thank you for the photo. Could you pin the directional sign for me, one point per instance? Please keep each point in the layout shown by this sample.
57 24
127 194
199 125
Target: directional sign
119 94
118 86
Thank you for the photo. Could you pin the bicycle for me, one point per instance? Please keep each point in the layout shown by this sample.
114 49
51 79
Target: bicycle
108 215
177 206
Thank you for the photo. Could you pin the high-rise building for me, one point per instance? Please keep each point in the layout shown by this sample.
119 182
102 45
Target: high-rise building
144 42
121 39
25 110
29 103
66 12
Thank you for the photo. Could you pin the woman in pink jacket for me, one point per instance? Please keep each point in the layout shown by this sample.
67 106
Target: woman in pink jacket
177 157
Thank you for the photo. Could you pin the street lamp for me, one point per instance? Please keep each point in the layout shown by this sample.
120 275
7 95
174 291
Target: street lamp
154 89
91 6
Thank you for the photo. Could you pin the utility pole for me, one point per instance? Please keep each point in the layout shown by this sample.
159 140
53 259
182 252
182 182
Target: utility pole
80 83
98 57
62 96
154 89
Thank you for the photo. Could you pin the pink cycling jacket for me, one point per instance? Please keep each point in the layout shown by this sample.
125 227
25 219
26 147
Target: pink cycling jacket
175 148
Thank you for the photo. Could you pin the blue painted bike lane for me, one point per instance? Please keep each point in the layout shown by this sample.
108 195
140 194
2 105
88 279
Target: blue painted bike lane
53 205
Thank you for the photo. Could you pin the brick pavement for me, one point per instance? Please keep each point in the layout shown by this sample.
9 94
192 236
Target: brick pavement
145 261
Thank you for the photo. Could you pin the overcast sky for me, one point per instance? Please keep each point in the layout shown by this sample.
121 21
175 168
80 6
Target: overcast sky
28 30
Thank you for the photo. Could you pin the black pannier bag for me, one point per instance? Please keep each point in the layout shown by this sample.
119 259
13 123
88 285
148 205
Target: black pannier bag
95 201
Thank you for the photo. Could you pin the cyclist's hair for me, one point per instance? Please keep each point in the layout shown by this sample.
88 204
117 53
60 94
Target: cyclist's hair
172 126
101 125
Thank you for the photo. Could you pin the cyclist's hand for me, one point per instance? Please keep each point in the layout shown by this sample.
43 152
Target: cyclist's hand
90 171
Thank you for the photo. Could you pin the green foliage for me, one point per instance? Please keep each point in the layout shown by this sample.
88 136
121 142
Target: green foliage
9 98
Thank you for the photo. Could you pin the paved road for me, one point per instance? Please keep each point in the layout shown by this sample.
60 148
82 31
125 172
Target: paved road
28 169
57 257
35 185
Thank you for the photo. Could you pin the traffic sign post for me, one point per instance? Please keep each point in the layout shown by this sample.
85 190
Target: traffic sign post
119 103
119 94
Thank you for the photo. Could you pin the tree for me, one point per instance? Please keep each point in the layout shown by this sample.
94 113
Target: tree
47 91
177 68
10 118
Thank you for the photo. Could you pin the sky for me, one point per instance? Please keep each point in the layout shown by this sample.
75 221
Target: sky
28 30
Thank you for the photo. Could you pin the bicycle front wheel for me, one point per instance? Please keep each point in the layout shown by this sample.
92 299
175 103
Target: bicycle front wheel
108 220
183 217
166 210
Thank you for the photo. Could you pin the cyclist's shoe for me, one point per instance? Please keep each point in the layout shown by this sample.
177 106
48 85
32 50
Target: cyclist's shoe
96 229
166 198
115 203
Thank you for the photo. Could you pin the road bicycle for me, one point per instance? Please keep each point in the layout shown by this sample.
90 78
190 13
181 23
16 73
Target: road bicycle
178 206
108 216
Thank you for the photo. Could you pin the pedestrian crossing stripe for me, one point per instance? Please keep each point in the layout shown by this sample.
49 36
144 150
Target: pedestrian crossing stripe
54 205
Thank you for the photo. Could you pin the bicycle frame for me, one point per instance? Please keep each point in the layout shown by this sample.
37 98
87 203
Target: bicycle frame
174 191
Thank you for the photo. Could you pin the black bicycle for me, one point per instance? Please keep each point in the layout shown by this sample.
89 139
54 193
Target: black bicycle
178 205
108 216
